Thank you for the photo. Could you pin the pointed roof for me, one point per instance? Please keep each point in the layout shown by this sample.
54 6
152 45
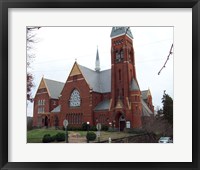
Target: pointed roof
53 87
145 94
97 62
118 31
57 109
119 104
75 70
134 85
104 105
145 109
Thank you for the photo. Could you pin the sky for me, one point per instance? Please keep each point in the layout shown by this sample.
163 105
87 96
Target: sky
57 48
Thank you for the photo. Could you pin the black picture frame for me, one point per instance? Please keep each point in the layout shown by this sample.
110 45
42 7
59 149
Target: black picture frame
4 98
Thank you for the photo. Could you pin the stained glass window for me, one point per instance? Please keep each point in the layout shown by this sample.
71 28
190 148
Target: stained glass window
75 100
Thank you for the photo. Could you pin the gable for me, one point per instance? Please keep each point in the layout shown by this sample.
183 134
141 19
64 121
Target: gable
75 70
148 93
145 94
42 84
52 87
42 87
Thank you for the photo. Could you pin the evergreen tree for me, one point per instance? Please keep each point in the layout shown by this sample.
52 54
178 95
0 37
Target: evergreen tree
167 108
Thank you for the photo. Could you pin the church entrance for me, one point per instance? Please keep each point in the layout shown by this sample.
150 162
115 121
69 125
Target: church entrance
46 122
122 123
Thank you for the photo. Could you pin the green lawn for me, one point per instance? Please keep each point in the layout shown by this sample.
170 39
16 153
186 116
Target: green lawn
36 135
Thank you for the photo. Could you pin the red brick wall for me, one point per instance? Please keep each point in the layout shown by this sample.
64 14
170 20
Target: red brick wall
46 106
149 103
53 104
86 99
96 99
101 117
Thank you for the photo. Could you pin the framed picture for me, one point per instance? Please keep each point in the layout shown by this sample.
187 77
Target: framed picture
15 150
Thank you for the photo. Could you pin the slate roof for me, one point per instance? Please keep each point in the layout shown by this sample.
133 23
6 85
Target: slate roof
134 85
120 31
55 87
101 81
144 94
98 81
145 109
104 105
57 109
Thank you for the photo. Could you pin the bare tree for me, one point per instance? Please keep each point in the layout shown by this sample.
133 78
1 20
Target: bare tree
31 39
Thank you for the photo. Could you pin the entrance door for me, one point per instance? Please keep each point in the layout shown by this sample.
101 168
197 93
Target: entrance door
46 121
122 125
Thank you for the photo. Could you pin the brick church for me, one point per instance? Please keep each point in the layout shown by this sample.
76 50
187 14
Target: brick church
111 97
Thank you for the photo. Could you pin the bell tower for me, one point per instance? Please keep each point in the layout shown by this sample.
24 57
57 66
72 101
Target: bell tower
123 64
124 83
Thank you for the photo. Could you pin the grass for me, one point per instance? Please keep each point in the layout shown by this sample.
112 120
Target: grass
82 133
36 135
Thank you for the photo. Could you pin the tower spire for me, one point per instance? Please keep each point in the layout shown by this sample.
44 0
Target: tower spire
97 62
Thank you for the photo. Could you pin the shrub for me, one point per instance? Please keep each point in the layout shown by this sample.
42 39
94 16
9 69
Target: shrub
91 136
46 138
93 128
53 138
70 128
104 128
60 137
85 126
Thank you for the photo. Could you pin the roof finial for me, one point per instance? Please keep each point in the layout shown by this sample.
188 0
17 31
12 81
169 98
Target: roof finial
97 62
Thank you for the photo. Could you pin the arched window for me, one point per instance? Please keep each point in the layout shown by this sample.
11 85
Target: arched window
56 121
119 74
69 118
122 54
72 117
117 53
81 118
76 118
75 99
129 55
122 92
